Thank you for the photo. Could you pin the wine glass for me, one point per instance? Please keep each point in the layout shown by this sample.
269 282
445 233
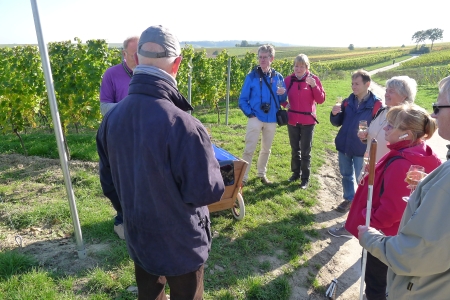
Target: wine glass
363 126
338 100
280 84
413 176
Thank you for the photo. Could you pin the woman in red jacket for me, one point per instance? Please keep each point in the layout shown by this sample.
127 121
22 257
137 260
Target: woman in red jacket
408 125
304 92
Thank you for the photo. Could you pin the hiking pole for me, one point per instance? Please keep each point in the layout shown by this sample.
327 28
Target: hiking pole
372 154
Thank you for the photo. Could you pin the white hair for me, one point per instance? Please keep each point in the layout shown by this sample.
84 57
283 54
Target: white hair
444 88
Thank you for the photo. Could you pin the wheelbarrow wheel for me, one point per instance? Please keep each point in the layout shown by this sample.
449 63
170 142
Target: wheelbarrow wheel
238 208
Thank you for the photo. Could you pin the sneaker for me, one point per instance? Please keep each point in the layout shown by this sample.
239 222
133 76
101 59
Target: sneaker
340 232
344 206
265 181
304 184
119 230
294 177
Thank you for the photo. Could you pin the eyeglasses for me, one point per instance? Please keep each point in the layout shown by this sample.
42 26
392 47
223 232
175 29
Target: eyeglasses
436 108
263 57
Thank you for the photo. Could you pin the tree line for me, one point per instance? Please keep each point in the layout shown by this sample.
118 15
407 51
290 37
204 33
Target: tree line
432 34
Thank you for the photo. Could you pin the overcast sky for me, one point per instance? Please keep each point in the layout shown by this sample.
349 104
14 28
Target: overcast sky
307 23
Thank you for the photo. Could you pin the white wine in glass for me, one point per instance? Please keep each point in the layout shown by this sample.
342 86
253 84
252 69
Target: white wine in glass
338 100
415 174
363 125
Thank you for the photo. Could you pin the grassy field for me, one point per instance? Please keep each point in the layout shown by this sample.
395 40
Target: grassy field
314 53
255 258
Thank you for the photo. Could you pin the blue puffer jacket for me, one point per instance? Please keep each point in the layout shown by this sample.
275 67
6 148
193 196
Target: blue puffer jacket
347 140
255 92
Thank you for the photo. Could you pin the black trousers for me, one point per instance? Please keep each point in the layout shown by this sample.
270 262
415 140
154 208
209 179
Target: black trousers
375 278
300 138
184 287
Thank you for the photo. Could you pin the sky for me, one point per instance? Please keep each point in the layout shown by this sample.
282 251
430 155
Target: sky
324 23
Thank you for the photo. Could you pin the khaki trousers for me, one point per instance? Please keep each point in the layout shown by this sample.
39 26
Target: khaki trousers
254 128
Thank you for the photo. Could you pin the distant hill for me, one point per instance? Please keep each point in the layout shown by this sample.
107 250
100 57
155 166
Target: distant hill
227 44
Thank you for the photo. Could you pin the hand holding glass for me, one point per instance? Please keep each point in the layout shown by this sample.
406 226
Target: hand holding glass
363 125
280 84
415 174
280 87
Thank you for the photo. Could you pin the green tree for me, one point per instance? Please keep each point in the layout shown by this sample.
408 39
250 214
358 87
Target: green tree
244 43
351 47
419 37
434 34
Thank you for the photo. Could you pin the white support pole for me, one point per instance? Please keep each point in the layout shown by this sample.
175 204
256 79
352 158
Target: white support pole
58 130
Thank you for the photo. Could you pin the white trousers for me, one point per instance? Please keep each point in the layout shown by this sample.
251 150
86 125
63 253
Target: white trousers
254 128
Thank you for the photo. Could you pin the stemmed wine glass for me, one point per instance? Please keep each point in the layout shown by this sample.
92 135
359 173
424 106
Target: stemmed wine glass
280 84
413 176
338 100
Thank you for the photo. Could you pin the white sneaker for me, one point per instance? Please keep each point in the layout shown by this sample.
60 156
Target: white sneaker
119 230
340 232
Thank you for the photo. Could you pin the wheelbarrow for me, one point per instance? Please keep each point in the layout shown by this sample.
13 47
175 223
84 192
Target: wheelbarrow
232 169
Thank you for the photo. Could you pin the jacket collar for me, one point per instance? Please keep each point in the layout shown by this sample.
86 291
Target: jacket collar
154 86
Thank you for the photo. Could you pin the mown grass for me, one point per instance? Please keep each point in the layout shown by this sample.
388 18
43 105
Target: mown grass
255 258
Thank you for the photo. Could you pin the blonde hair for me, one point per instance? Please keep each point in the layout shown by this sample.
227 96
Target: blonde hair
302 59
414 118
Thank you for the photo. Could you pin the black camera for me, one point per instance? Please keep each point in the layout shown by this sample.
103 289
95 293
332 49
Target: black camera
265 107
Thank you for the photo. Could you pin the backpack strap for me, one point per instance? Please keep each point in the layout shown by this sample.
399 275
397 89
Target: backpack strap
376 110
385 167
294 79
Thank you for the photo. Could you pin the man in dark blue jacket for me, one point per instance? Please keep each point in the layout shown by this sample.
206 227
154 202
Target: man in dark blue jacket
158 163
357 107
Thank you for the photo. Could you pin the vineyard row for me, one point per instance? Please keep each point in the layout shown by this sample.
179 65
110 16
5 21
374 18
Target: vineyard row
77 69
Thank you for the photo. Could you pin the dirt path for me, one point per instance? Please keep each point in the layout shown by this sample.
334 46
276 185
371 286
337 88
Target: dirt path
340 257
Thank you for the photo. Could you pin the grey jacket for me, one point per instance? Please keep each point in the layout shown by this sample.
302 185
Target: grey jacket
418 257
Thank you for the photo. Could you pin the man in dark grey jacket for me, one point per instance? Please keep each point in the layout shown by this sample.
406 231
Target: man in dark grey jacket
158 162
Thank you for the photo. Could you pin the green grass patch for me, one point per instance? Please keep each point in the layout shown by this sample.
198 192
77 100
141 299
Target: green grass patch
250 259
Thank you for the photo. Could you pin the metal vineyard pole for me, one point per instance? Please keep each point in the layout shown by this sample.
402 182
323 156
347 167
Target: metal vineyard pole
58 131
190 83
228 89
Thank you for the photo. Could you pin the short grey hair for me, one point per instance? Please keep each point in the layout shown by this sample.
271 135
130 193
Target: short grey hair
268 49
405 86
444 88
128 40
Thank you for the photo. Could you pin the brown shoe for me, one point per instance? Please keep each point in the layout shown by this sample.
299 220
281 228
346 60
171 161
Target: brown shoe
265 181
344 206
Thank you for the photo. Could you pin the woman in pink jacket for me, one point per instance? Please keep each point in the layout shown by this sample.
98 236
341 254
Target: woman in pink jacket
408 125
304 92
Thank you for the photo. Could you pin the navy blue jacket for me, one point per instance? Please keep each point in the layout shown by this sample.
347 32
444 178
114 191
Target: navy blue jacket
255 92
158 161
347 140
